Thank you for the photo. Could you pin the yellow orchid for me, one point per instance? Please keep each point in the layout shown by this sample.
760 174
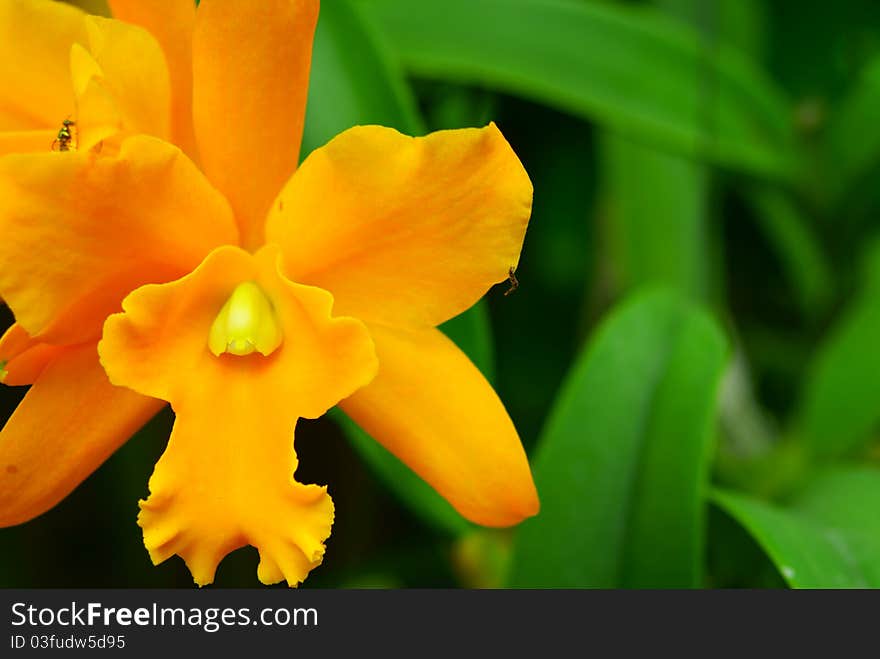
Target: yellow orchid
177 249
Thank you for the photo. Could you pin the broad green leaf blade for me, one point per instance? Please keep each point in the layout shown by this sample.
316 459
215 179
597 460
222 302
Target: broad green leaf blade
656 208
852 141
828 537
840 409
742 23
354 81
628 68
621 468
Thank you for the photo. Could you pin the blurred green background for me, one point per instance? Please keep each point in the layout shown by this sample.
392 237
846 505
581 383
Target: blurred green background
692 355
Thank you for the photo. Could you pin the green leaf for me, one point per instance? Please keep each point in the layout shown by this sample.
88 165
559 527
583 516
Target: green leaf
740 22
628 68
659 235
852 141
355 81
621 468
827 537
841 401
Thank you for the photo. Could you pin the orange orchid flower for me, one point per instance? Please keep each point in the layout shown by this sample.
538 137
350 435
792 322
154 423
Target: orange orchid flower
174 247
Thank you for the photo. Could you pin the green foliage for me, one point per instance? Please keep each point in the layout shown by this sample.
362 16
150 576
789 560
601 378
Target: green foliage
841 405
852 142
659 235
828 536
627 68
622 465
353 80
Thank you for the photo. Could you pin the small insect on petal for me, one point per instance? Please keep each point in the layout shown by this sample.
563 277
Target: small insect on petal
246 324
512 280
65 141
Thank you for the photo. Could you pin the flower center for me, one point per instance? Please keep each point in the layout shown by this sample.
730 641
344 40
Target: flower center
246 324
